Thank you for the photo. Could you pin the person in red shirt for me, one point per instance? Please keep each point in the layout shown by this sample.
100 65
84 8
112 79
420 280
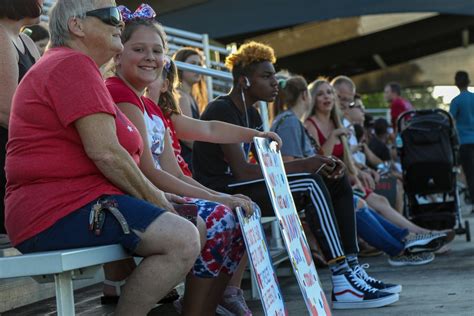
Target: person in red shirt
398 105
72 162
140 64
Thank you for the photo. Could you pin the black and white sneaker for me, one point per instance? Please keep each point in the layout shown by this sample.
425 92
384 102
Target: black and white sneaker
411 259
351 292
377 284
425 242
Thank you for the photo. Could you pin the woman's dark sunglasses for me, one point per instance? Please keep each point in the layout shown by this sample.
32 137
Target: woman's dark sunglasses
110 15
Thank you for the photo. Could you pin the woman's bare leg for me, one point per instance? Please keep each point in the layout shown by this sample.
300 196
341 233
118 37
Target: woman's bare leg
236 280
202 295
170 246
120 270
381 205
117 271
399 202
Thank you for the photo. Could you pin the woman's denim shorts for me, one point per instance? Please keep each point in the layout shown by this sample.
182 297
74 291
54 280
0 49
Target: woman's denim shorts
72 231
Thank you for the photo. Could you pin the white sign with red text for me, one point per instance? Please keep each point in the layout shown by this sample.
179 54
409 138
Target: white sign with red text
262 267
295 240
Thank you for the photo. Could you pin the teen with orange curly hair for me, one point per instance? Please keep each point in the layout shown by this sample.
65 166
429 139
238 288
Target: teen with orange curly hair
225 168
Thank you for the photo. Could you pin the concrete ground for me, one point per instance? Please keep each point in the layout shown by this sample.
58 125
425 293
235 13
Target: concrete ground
443 287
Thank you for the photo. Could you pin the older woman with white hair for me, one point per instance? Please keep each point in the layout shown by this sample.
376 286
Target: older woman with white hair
72 156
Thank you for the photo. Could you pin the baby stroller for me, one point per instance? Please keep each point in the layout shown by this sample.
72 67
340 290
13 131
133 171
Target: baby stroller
428 147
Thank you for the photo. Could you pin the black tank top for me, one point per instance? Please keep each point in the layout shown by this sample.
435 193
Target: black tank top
194 109
186 152
25 61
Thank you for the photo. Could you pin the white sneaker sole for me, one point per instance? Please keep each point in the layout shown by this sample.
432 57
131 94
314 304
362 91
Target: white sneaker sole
393 290
384 301
431 246
413 263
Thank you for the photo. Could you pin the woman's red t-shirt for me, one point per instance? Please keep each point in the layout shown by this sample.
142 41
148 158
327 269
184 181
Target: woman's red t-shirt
49 174
122 93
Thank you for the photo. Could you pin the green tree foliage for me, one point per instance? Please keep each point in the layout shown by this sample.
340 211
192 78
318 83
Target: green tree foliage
420 98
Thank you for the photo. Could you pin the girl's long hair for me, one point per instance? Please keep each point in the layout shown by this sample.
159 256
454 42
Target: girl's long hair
198 90
289 90
335 117
168 100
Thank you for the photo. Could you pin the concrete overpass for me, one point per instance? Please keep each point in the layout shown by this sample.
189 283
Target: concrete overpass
413 41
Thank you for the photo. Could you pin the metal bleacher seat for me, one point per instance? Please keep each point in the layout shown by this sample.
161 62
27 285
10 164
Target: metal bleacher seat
61 267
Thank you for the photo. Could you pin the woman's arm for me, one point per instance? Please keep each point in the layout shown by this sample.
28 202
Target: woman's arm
8 77
170 179
169 163
333 139
185 106
216 132
288 158
328 146
184 102
167 178
372 159
312 131
98 135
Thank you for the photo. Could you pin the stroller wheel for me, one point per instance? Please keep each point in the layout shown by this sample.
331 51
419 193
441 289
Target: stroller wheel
467 230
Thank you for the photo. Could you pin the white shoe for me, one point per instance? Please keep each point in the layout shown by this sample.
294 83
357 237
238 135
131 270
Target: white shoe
377 284
351 292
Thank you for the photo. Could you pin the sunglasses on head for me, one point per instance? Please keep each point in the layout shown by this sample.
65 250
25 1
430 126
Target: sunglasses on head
353 104
110 15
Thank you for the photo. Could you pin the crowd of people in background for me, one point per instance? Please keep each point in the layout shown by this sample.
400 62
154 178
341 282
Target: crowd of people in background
104 125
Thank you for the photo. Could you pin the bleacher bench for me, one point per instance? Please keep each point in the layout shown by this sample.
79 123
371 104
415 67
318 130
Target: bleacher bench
62 267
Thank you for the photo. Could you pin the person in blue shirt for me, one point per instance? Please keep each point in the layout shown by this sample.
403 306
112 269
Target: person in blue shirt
462 110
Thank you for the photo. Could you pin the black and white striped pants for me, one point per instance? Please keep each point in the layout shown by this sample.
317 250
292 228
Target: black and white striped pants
327 203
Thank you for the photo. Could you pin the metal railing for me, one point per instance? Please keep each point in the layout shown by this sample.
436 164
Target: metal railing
225 77
212 54
218 79
177 39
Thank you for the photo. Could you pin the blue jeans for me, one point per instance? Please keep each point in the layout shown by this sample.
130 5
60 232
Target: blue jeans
378 232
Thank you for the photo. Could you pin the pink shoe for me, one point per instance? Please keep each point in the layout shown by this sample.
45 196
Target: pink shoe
233 303
178 305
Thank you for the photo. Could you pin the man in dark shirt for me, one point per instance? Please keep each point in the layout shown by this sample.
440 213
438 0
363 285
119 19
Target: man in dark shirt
225 168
